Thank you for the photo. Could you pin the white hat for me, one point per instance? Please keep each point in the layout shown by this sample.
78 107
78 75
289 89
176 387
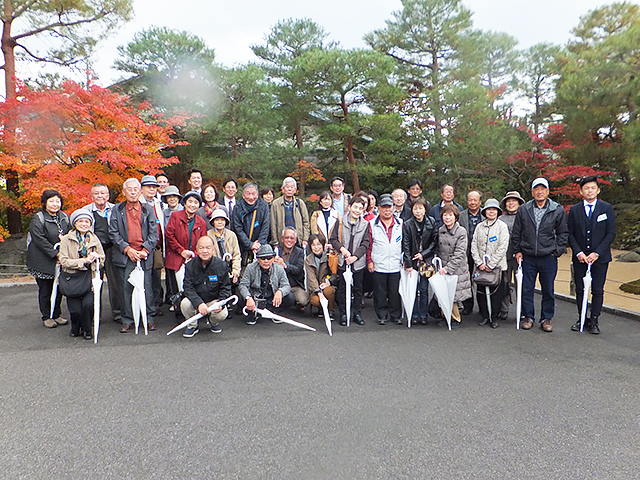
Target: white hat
540 181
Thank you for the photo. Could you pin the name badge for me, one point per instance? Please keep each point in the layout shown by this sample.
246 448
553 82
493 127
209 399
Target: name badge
493 239
158 221
399 238
213 278
601 218
257 224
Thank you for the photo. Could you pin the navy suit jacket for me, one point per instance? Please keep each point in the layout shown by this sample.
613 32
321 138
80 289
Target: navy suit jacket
602 224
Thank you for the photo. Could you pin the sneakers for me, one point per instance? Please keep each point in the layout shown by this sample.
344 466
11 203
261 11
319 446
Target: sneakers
216 328
61 321
275 320
49 323
576 326
252 319
190 332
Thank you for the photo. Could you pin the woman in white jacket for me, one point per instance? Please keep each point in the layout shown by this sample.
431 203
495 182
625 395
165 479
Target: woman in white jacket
489 251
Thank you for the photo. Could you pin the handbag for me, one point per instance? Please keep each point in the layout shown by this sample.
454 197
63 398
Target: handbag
484 278
158 260
76 284
333 259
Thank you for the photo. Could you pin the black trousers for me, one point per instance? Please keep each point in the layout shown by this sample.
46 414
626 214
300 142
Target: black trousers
497 294
115 287
45 288
356 291
598 277
386 296
81 312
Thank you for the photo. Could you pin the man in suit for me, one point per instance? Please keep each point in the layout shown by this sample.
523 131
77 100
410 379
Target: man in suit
134 233
592 228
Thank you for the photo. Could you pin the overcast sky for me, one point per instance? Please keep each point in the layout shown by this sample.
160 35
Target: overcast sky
230 27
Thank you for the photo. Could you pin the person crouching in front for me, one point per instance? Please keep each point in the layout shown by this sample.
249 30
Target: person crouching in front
206 280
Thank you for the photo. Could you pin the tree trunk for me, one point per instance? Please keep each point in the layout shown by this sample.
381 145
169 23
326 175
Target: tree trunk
298 134
348 146
14 218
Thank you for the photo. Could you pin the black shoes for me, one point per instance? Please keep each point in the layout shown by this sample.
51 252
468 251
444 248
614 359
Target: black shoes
358 319
343 320
484 321
576 326
494 323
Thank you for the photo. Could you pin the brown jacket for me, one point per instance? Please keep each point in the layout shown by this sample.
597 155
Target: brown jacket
231 246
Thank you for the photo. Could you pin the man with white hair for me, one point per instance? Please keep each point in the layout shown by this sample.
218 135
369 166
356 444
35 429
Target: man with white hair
289 211
250 221
134 234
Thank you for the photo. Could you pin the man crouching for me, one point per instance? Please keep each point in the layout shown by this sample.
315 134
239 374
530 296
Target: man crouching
206 280
264 284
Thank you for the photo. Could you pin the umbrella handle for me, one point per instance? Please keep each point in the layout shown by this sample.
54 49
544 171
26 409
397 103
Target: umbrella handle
486 259
436 261
520 263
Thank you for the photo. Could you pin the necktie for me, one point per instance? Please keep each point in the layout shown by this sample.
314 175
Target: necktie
589 212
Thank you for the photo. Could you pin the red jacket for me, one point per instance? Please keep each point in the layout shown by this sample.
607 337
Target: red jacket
177 235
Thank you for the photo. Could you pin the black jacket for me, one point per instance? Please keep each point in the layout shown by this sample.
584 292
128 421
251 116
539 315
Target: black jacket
594 234
295 267
241 223
411 241
549 239
43 235
205 283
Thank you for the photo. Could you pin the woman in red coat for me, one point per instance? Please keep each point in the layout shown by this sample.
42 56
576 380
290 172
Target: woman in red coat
182 234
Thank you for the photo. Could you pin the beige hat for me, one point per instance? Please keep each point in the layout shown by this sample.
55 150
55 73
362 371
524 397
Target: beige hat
512 194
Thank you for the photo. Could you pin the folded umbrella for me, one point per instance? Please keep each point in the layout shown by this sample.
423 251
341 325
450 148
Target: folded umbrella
587 285
519 277
54 292
304 269
96 281
487 290
444 288
138 298
267 314
408 291
180 278
233 299
325 309
348 280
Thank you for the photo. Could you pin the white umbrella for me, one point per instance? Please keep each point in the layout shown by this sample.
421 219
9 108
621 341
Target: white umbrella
96 281
587 285
304 269
444 288
138 298
233 299
325 309
267 314
408 291
487 290
348 280
54 292
518 293
180 278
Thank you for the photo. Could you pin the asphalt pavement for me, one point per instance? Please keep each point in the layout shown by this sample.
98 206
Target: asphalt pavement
275 402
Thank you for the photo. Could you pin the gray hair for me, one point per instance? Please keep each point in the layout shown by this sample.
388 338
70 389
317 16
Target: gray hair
399 190
250 185
290 228
130 180
289 180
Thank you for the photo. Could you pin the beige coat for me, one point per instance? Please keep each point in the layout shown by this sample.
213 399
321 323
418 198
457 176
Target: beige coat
231 246
320 227
300 216
69 256
491 238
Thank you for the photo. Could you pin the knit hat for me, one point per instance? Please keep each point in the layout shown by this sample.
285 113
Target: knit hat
81 213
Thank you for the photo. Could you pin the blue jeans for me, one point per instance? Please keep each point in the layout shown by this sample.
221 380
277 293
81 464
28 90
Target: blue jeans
545 268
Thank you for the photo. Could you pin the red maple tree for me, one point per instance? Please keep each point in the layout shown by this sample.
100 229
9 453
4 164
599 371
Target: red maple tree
70 138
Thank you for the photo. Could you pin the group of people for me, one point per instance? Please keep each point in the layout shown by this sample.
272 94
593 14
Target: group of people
272 254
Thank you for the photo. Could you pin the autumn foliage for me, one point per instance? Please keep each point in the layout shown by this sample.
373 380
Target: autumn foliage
71 138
